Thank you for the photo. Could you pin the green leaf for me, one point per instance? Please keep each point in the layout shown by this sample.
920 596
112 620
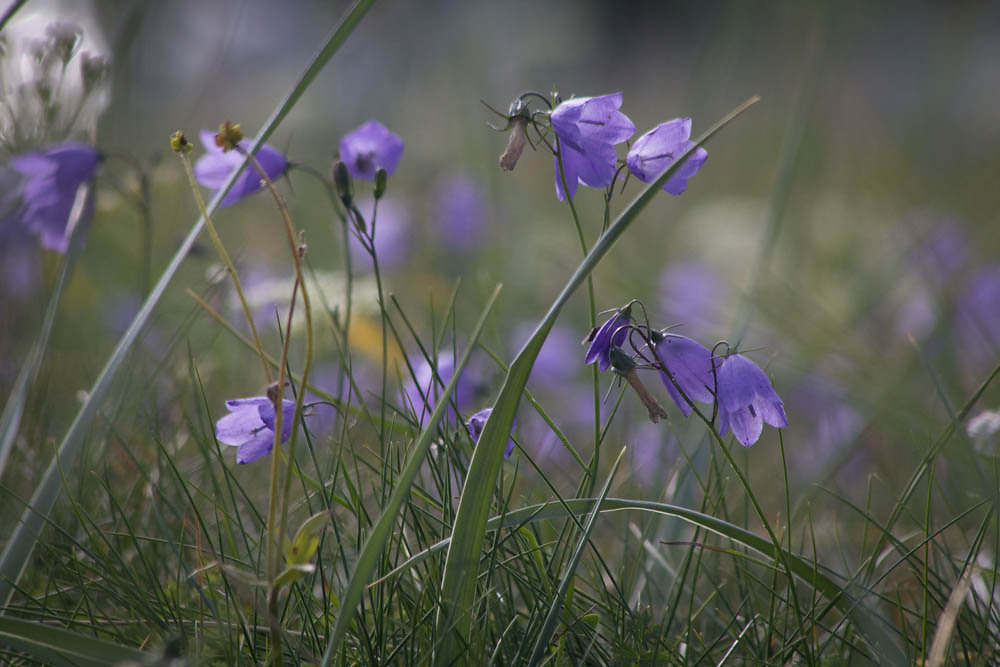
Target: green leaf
18 550
58 646
303 546
293 573
382 530
458 588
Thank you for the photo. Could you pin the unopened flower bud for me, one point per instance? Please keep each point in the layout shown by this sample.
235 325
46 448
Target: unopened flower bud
342 183
515 144
179 143
65 37
381 178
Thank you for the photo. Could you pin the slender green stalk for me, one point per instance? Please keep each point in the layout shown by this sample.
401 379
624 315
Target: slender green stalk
224 256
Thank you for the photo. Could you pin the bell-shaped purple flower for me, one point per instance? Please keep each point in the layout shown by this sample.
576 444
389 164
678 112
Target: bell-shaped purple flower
746 400
476 424
588 129
655 151
612 332
689 363
369 147
250 426
212 169
50 180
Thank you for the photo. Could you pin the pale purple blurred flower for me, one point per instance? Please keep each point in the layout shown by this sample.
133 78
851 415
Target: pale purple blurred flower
212 169
689 363
612 332
916 317
422 394
746 400
50 181
942 252
392 234
557 362
250 426
653 449
460 212
690 294
655 151
477 423
977 325
588 129
369 147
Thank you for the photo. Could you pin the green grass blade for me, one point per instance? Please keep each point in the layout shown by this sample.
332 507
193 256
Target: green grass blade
549 626
458 586
58 646
22 543
382 530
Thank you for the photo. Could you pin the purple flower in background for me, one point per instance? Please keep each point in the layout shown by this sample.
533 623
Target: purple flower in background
612 332
250 426
588 129
460 211
369 147
689 363
50 180
213 168
691 294
557 362
655 151
978 318
476 424
392 234
746 400
421 395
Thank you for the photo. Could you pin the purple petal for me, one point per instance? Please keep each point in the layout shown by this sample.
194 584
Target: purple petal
239 426
212 169
608 335
655 151
690 364
258 446
266 412
746 426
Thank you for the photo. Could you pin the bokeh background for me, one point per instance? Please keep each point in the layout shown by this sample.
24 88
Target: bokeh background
843 231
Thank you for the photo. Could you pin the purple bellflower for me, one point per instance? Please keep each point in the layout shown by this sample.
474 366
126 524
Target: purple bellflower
689 363
746 400
370 147
476 424
51 178
588 129
212 169
611 333
250 426
656 150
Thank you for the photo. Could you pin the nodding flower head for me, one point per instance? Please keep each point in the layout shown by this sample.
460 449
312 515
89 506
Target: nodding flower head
655 151
612 332
369 147
746 400
50 181
249 426
477 423
588 129
686 367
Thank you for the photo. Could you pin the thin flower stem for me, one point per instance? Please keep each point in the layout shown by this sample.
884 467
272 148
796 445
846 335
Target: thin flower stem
274 538
224 256
590 477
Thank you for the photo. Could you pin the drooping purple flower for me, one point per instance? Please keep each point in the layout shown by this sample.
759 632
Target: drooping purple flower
50 181
461 212
369 147
250 426
612 332
588 129
746 400
392 234
476 424
213 168
655 151
689 363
